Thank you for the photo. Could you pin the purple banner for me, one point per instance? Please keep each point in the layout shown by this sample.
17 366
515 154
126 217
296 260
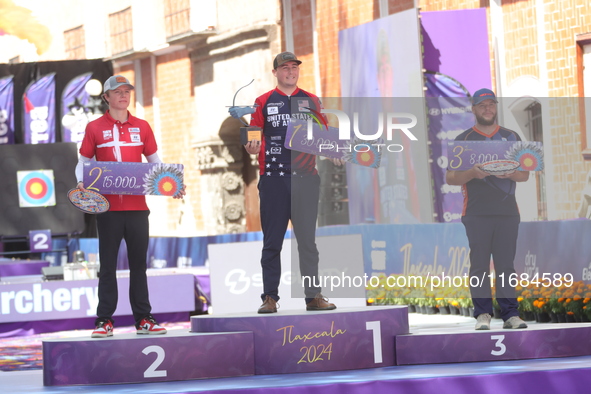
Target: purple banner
449 80
75 113
9 267
156 179
39 111
446 35
462 155
59 300
6 110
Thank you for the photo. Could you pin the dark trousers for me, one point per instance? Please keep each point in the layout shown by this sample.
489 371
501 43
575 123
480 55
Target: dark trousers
496 236
133 226
282 199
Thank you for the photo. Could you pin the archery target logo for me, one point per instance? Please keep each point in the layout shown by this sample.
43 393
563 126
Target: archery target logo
36 188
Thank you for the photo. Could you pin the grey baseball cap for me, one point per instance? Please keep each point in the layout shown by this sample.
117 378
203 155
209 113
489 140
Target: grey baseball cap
116 81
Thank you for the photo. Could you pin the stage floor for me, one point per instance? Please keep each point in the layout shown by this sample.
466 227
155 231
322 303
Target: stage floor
571 373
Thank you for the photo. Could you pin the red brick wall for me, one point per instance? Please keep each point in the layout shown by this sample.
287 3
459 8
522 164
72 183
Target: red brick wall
177 111
563 20
521 53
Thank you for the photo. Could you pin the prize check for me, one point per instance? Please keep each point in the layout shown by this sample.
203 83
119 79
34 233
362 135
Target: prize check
157 179
462 155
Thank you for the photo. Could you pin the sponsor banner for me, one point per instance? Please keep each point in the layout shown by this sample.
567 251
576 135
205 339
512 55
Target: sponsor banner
155 179
549 248
36 188
39 111
75 111
237 287
543 247
449 81
6 110
79 298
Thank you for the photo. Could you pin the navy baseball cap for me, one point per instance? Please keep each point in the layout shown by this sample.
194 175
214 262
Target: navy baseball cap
483 94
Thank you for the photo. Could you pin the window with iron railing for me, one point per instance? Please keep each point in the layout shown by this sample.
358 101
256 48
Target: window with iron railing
74 43
177 17
121 31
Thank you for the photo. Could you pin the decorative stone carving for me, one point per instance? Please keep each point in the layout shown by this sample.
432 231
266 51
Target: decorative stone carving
231 181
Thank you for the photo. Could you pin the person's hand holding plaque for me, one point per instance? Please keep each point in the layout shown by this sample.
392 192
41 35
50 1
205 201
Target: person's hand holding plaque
247 133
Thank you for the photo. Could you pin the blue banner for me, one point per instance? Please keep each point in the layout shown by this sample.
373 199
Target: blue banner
39 111
75 111
6 110
551 248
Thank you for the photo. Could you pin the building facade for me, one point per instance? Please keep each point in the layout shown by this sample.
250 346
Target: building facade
188 58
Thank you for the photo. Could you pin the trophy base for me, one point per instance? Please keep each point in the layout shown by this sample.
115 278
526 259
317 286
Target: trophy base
249 134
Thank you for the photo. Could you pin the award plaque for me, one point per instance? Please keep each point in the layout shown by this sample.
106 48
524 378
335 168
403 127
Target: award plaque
249 133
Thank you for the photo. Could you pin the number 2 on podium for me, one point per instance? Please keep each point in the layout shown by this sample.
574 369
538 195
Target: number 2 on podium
377 339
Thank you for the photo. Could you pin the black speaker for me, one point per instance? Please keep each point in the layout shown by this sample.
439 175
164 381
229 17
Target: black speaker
333 206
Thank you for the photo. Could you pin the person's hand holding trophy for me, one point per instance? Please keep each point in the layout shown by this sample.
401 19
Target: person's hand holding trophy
247 133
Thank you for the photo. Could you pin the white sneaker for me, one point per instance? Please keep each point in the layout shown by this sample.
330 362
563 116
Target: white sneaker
514 322
483 321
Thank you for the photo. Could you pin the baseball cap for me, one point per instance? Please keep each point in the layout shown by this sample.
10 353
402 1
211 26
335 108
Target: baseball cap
115 81
483 94
285 57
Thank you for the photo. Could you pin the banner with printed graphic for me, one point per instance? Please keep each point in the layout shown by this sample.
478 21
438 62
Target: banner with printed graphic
75 110
36 188
39 111
6 110
450 78
377 68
